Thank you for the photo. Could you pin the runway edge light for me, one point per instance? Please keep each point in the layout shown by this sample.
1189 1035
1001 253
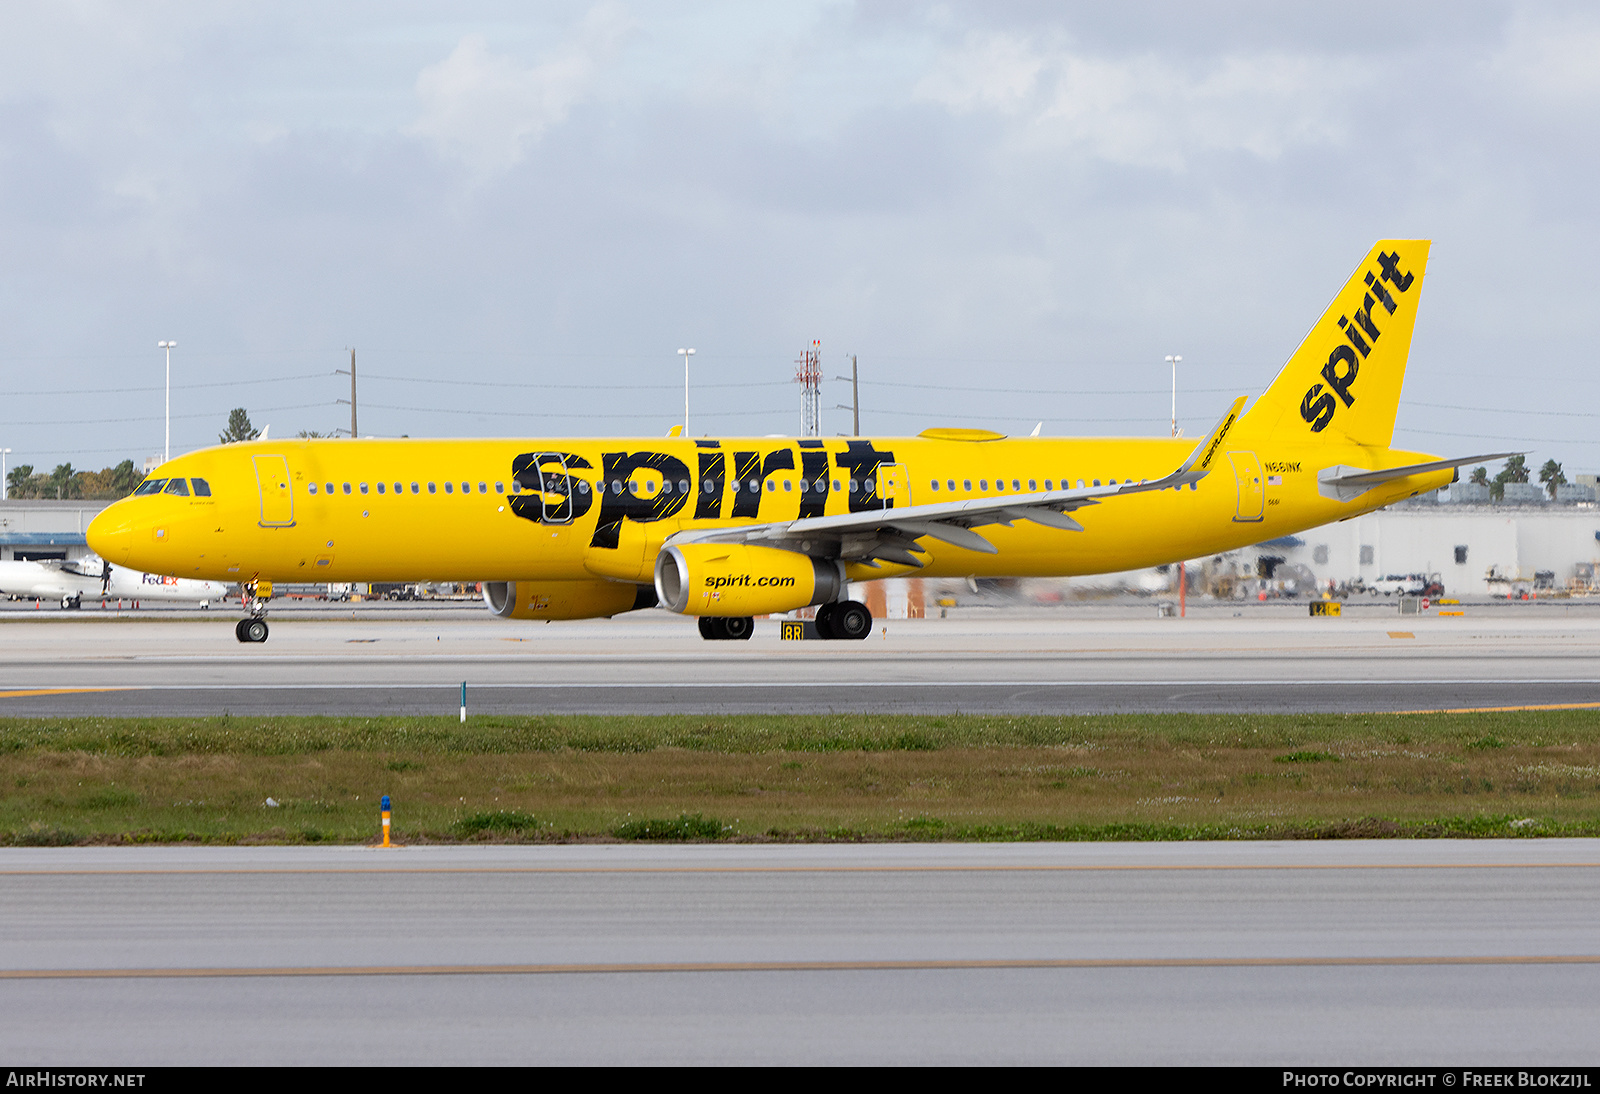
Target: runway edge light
385 808
463 702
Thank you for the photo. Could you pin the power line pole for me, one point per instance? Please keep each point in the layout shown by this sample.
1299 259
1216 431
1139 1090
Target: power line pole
352 374
855 398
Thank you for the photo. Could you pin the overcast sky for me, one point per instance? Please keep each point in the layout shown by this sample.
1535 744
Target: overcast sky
1011 212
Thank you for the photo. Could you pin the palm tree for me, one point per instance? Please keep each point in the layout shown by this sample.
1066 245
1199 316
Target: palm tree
1550 474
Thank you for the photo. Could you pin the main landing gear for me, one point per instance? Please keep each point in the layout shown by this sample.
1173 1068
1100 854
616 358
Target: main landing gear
254 628
844 619
736 628
847 619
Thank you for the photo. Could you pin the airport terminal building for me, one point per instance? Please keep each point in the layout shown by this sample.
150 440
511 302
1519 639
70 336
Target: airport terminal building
32 531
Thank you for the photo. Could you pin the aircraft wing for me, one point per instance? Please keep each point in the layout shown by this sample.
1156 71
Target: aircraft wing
891 534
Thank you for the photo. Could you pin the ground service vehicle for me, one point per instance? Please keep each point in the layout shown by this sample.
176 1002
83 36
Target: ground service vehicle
728 528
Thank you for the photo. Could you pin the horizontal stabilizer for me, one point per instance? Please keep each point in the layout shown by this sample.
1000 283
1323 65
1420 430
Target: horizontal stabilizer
1345 483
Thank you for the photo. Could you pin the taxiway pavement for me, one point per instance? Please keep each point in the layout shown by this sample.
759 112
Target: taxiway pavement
1425 952
1219 659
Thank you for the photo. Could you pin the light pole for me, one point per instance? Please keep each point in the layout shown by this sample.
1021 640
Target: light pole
166 445
686 354
1183 577
4 452
1173 361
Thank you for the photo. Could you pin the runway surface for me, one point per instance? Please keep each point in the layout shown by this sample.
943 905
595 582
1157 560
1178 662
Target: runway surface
1424 953
1220 659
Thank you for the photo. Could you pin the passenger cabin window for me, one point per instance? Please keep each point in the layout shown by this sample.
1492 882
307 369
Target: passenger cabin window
329 487
150 486
380 488
450 487
483 488
202 488
499 488
363 488
346 488
312 488
966 484
466 488
950 484
179 487
935 484
414 489
432 489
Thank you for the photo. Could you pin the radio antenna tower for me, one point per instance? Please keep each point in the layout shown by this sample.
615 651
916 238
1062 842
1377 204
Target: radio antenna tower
809 376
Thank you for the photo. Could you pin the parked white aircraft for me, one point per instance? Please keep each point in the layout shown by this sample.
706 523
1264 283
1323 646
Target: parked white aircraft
71 581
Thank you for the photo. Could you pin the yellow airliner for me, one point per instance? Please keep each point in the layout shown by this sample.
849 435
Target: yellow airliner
729 528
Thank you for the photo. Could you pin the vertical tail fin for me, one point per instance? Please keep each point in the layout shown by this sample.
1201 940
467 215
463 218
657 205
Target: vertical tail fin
1344 381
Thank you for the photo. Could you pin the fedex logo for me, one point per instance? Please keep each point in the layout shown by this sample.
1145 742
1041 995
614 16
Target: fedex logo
1339 374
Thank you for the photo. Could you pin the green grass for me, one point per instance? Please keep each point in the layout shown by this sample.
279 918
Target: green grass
801 777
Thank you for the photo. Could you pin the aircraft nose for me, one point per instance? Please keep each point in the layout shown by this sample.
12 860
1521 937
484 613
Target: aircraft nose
110 536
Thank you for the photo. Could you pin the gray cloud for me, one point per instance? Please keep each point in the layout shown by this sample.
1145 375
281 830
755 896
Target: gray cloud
977 199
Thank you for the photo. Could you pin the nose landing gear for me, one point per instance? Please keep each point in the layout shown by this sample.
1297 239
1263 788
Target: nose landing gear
254 629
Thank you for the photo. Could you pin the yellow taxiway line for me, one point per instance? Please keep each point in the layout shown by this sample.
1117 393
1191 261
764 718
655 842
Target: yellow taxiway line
56 691
1504 710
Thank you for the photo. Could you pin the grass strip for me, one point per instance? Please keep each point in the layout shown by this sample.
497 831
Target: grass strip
800 777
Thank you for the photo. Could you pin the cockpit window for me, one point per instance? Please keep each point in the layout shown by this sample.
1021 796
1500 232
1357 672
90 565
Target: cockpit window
179 487
150 486
202 488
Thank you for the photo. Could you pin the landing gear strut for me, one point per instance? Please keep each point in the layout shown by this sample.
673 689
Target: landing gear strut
844 619
254 628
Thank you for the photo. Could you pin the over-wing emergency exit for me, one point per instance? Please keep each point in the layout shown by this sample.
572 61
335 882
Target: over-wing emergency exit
727 528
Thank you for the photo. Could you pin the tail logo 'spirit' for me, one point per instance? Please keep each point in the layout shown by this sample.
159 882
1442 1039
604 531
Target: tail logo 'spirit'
1319 405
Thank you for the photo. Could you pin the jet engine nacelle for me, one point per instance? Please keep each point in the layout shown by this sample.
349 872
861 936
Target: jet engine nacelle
733 579
565 599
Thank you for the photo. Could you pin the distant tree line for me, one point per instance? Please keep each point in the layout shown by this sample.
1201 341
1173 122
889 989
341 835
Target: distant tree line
65 482
1516 470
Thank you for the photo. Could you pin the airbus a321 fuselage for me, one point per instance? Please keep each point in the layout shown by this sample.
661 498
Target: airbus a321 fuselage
729 528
